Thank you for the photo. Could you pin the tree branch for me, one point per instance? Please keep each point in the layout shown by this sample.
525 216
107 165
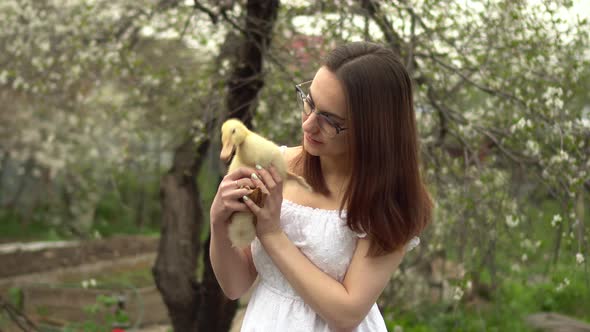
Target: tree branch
214 17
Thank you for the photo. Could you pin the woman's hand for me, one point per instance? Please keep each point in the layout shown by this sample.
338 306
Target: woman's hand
268 217
232 188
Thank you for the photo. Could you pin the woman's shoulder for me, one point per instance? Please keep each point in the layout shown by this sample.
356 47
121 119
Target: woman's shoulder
290 152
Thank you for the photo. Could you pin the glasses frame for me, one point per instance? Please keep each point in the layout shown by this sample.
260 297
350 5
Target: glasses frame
304 97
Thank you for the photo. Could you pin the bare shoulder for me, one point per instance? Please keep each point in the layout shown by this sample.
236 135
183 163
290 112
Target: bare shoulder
291 153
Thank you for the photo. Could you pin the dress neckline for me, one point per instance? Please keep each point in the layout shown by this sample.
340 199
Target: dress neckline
289 202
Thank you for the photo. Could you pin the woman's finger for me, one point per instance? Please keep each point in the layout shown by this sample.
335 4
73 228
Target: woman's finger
252 206
239 173
237 206
234 194
269 182
275 174
256 179
239 184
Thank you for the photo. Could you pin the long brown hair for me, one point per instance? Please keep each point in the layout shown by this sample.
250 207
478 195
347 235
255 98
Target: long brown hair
386 197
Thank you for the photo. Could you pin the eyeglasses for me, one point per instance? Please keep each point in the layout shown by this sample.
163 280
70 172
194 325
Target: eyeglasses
327 124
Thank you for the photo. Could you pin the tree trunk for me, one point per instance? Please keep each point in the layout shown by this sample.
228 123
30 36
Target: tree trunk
218 311
182 220
247 79
193 306
244 84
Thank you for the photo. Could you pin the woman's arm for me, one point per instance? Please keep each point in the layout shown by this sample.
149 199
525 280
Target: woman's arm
233 267
342 305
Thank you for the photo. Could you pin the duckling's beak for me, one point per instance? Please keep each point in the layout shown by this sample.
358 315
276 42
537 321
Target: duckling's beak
227 151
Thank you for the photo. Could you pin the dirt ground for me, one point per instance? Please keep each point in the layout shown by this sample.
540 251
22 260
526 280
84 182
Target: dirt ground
26 265
23 262
42 270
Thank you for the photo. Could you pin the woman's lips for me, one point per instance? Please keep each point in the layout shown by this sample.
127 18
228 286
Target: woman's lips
311 140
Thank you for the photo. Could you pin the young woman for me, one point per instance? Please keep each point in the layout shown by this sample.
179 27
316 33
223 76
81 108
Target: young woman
324 257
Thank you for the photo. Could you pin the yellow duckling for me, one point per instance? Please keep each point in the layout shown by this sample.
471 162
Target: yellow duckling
250 149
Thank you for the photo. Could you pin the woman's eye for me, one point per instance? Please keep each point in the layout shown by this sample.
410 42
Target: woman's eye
330 120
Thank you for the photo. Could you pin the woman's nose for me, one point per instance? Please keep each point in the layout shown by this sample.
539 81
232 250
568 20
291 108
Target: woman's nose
310 124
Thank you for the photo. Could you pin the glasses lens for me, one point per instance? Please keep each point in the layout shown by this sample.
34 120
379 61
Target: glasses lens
306 107
325 125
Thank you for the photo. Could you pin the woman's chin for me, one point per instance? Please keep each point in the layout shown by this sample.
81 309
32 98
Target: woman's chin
310 149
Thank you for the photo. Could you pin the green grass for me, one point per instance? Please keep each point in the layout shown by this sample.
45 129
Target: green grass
112 216
13 228
516 298
513 302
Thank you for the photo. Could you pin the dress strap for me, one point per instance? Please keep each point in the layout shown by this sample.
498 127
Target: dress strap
413 243
283 148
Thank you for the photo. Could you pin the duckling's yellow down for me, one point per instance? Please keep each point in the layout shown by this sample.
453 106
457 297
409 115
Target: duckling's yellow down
250 150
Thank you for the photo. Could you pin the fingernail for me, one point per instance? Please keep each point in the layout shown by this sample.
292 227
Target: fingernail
258 167
245 198
254 176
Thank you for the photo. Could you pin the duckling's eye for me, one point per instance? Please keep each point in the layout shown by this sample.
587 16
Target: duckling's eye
233 131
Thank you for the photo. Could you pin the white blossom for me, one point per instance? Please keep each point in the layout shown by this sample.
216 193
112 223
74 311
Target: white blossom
3 77
561 157
556 220
532 147
458 294
552 91
579 258
89 283
521 124
562 284
511 221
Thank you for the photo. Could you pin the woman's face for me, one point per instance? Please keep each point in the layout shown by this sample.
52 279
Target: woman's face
327 94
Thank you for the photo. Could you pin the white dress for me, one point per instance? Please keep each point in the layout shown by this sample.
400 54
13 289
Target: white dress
322 236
